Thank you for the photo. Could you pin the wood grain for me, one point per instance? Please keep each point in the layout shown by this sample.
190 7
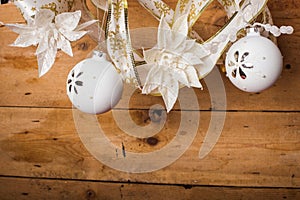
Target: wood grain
42 156
17 188
252 150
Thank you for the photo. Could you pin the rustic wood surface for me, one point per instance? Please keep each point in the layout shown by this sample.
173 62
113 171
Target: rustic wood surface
42 156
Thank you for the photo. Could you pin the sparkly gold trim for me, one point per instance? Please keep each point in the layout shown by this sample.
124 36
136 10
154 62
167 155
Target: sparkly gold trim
121 11
197 15
229 21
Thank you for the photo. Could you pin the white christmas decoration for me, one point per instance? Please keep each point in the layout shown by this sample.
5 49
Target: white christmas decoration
253 63
29 8
93 85
49 36
173 62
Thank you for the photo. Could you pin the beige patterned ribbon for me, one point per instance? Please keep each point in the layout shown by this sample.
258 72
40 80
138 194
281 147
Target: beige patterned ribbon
118 41
194 8
158 8
30 7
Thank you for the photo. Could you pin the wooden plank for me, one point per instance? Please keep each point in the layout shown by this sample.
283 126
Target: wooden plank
18 70
255 148
257 151
26 188
10 14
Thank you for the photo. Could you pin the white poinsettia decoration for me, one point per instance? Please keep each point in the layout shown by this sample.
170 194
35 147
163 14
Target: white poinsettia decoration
50 33
174 61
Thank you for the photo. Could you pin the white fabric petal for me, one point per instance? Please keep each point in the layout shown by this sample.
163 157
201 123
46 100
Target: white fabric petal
153 80
43 44
181 76
164 31
151 55
68 20
177 42
25 40
84 25
64 45
149 88
192 59
163 81
169 94
20 28
180 26
199 50
72 35
193 77
185 45
43 18
143 72
46 59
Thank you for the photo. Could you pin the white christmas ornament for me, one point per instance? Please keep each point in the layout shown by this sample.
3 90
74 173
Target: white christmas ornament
93 85
253 63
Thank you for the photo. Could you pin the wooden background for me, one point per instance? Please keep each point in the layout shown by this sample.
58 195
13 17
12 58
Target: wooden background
42 157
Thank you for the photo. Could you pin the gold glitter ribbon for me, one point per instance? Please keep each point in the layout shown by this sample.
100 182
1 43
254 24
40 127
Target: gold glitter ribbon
119 42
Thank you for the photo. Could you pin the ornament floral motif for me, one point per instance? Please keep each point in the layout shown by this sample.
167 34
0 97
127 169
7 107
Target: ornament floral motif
240 63
50 33
73 82
173 62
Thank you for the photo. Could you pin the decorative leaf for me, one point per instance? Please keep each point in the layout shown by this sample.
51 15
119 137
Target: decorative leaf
192 59
181 77
180 26
19 28
79 74
247 65
26 40
84 25
153 80
169 93
193 77
46 59
244 56
64 45
151 54
79 83
43 44
164 31
72 35
43 18
68 20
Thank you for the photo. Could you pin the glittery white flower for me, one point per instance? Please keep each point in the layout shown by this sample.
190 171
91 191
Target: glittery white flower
173 62
49 36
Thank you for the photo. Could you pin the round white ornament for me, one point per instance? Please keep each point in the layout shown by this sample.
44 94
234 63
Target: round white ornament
253 63
94 86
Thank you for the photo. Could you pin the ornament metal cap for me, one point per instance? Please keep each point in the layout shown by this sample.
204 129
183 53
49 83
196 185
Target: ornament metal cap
253 31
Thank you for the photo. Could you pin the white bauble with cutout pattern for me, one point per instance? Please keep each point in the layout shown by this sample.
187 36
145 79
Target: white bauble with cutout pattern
93 85
253 63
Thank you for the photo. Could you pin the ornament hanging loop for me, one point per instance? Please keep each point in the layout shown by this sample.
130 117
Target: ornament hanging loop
253 30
